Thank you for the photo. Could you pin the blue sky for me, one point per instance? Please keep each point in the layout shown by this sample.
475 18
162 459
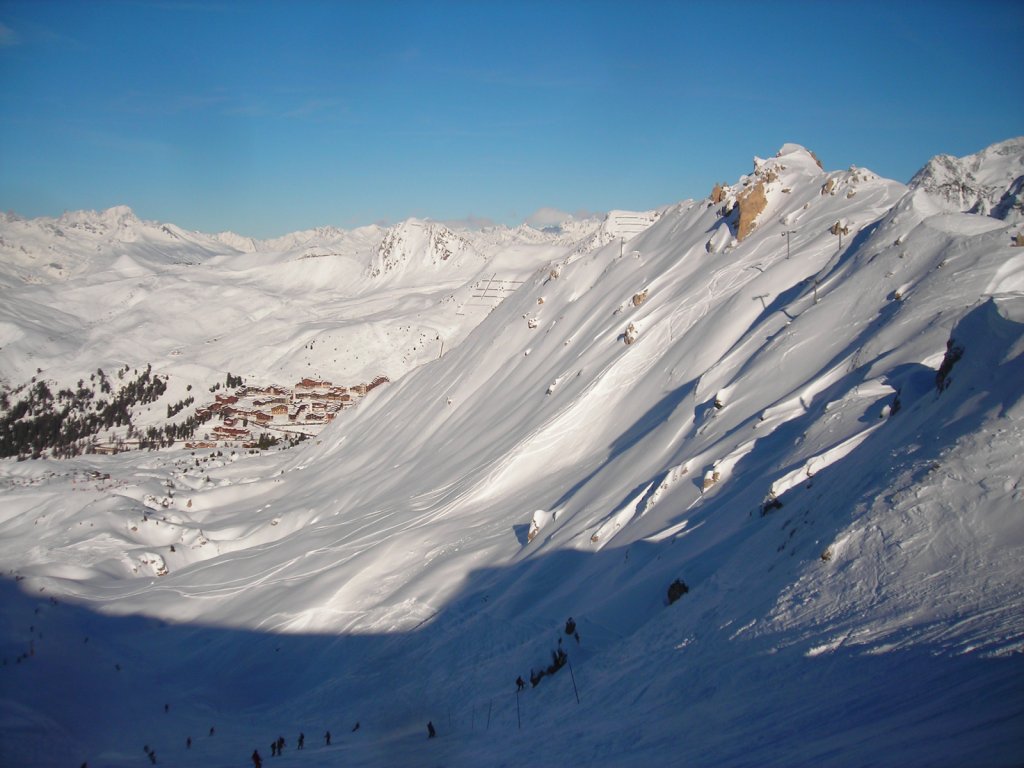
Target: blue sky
265 117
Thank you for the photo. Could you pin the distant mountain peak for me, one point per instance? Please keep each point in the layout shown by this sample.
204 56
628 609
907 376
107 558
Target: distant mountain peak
989 182
119 217
416 243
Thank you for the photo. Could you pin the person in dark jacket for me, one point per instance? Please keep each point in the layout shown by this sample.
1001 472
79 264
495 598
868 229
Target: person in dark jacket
257 761
431 733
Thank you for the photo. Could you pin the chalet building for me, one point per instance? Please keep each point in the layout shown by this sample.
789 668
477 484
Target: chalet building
270 391
312 385
230 433
262 418
268 402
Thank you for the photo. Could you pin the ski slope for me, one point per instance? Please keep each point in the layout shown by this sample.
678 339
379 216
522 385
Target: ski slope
818 432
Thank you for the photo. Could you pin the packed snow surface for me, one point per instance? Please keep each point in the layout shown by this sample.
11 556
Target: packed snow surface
816 426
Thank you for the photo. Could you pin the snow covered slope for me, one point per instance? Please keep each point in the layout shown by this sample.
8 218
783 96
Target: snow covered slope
803 399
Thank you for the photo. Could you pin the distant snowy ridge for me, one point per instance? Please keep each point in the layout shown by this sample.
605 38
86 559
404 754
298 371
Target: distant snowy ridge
238 242
990 182
415 245
46 249
621 226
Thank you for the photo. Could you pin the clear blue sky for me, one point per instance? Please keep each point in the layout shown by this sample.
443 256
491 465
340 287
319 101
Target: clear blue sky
266 117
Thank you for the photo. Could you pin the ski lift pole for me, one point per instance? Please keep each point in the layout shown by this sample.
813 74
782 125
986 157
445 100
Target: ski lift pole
571 675
786 235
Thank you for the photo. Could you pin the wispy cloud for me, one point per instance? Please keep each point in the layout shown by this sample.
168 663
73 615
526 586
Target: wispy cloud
7 36
408 55
146 103
188 6
232 104
547 217
469 222
318 109
522 79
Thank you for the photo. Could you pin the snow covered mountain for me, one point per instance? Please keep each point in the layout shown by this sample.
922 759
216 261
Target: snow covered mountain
990 182
800 396
81 243
415 246
104 289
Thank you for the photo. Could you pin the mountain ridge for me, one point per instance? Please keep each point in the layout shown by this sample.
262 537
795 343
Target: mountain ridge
814 425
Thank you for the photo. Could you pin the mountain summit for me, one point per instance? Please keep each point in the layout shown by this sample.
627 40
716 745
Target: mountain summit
990 182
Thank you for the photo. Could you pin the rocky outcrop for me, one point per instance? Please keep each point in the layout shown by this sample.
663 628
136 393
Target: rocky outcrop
751 202
630 334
